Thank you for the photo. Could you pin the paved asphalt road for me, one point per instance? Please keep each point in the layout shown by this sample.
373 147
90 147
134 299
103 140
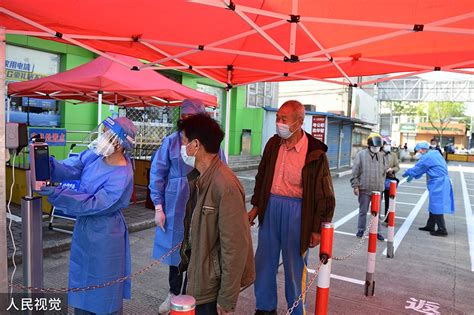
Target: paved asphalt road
428 275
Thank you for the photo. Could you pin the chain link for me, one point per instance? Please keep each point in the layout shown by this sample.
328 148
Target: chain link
308 286
103 285
359 244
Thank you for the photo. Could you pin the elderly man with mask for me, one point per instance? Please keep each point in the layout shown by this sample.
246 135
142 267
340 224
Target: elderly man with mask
368 175
441 200
100 250
216 252
293 195
169 192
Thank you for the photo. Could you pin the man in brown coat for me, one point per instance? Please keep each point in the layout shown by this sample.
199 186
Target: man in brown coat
293 195
217 250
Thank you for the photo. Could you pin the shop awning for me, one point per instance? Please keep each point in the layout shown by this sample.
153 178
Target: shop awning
242 41
118 85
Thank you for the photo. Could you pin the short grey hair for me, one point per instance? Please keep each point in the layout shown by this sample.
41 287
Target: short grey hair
297 108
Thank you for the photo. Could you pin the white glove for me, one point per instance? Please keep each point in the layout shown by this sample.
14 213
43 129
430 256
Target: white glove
160 217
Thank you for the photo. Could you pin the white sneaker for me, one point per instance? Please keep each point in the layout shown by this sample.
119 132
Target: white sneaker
165 307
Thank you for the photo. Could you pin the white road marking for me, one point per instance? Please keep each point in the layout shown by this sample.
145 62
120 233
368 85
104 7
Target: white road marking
401 218
246 178
344 233
416 187
403 230
342 278
406 193
469 219
354 213
406 203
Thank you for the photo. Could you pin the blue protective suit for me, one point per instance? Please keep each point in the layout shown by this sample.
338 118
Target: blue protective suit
169 187
439 185
100 250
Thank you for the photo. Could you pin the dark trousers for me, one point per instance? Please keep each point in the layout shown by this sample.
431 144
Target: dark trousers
207 309
386 194
436 219
176 281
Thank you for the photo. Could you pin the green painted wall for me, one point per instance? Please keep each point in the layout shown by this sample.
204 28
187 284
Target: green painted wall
241 117
81 117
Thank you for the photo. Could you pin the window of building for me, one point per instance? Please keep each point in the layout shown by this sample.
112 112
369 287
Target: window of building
23 64
261 94
396 120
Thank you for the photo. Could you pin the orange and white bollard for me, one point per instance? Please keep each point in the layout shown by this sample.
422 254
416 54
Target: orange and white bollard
183 305
391 218
324 275
372 250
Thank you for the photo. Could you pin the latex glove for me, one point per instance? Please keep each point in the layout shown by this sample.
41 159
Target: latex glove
356 191
405 174
46 190
160 217
314 240
409 179
221 311
252 215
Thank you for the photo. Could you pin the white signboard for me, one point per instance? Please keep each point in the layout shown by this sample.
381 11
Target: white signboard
364 106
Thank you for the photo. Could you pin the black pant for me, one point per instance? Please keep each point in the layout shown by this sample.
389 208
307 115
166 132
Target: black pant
176 281
436 219
207 309
386 194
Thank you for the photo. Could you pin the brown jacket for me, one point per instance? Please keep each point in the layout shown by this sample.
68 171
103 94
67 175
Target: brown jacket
318 192
217 248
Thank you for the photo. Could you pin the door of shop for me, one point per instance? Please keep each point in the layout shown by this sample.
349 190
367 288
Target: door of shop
346 145
332 142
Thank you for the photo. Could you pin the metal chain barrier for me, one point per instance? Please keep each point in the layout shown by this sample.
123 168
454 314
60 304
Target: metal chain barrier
359 244
99 286
308 286
313 278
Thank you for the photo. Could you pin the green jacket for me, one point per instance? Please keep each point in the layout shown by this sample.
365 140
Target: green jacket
217 249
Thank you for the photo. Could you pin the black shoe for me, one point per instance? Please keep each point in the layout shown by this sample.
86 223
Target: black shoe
360 233
259 312
426 228
439 233
380 237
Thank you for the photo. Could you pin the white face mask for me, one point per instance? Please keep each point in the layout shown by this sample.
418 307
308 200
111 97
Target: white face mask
375 149
103 146
188 160
418 155
283 130
387 148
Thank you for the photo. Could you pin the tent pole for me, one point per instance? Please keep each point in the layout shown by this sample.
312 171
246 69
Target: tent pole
3 222
99 108
8 106
227 123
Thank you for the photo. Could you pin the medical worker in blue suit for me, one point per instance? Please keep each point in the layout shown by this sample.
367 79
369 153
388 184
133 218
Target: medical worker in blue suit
169 193
434 166
100 250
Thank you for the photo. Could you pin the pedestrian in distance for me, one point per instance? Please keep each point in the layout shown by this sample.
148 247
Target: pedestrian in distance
369 171
393 168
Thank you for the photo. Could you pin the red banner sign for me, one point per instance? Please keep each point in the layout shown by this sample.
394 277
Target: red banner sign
319 127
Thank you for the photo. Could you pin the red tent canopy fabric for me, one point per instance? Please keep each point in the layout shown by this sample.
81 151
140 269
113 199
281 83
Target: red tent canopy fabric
242 41
119 85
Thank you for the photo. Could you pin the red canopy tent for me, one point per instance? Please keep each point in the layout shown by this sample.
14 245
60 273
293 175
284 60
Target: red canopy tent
108 82
242 41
